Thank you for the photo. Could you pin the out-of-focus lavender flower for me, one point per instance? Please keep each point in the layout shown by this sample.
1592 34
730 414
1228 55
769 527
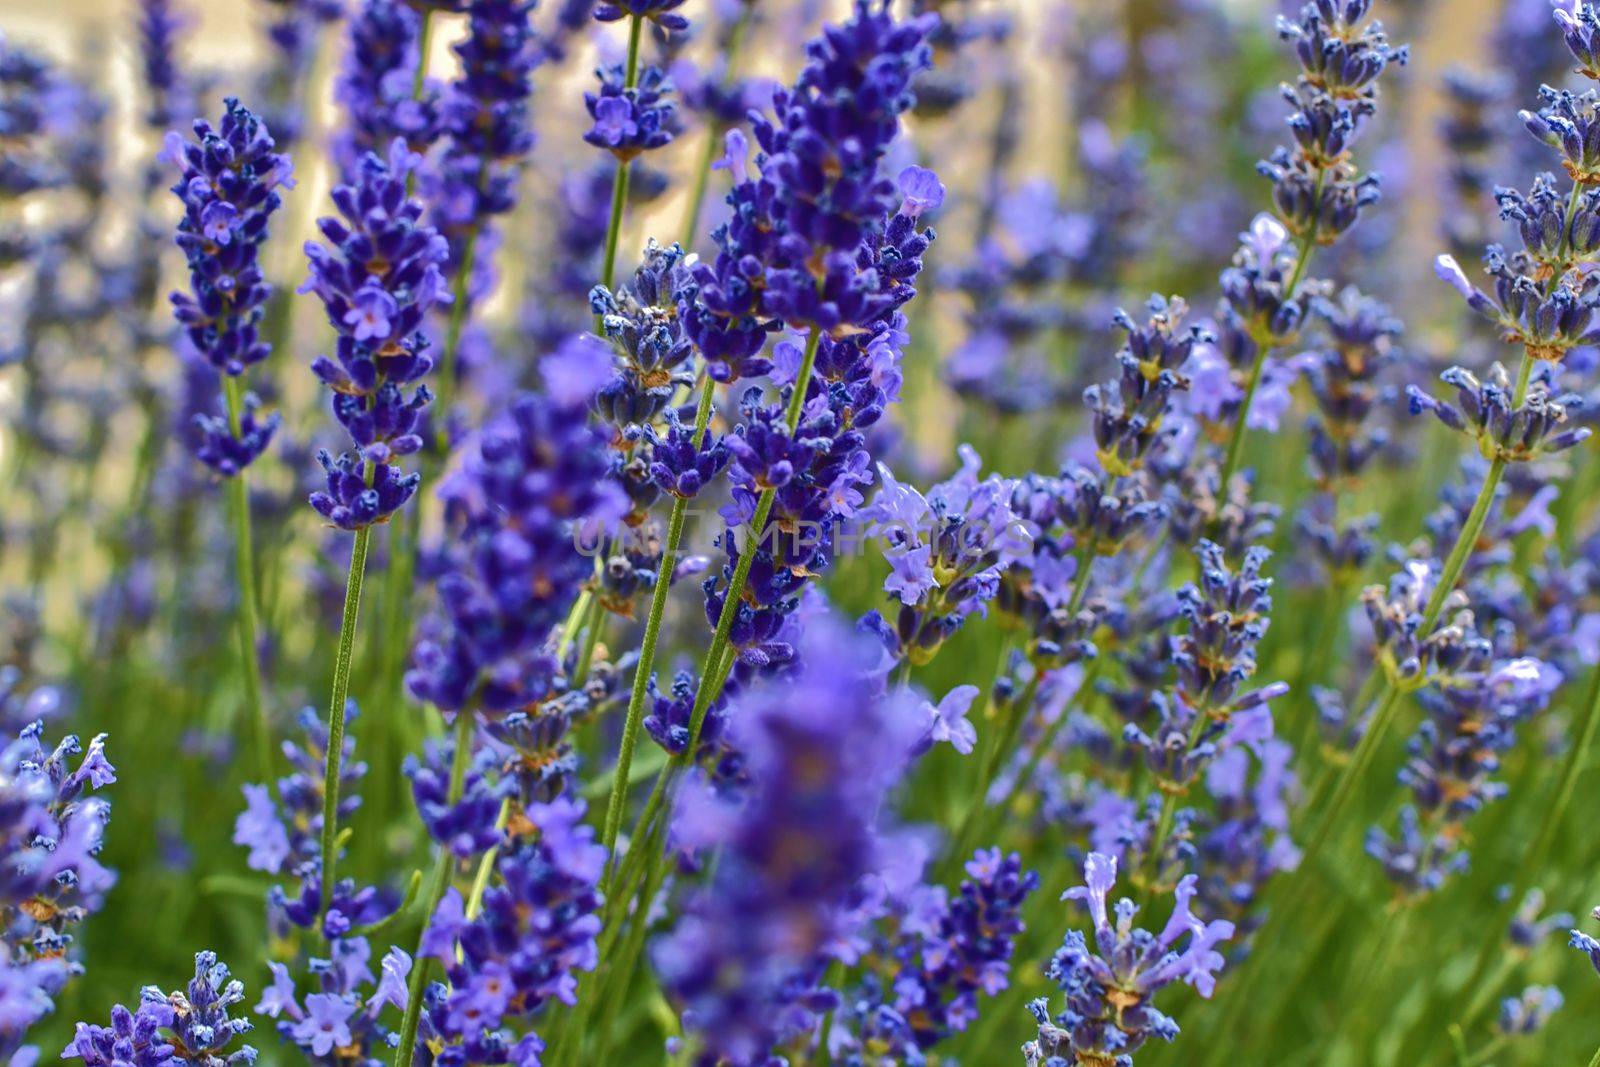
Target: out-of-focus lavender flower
293 34
1110 1011
378 314
1528 1012
160 25
53 831
532 489
661 12
1345 381
1474 710
375 87
485 115
747 956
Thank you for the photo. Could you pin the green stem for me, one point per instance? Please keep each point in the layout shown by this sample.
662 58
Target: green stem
718 662
652 634
245 571
1005 741
336 703
480 880
437 884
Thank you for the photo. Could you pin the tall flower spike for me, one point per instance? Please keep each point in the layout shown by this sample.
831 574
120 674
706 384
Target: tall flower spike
375 86
747 956
532 491
378 276
229 189
1110 988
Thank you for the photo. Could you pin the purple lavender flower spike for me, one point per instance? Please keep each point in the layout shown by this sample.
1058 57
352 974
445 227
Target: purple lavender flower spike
375 86
229 188
534 482
748 953
192 1027
1110 988
378 276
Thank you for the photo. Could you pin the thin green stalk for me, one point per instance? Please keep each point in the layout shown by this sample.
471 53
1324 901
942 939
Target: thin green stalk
963 839
652 634
245 572
480 880
622 973
1594 1061
341 692
718 660
465 723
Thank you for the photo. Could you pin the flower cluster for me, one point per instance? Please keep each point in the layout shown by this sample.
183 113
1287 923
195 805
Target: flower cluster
924 985
378 277
535 934
376 86
229 189
747 956
192 1026
54 827
1474 712
791 249
630 120
1109 989
532 492
282 834
485 115
946 551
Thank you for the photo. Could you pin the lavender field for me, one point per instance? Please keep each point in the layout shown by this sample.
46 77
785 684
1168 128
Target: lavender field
739 533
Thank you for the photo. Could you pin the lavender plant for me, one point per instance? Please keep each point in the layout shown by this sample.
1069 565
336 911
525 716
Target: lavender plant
784 606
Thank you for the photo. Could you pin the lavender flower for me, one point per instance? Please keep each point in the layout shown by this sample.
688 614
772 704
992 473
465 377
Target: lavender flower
188 1027
375 86
631 120
948 953
53 880
160 25
533 485
1109 1011
229 183
378 277
661 12
748 953
790 249
536 932
946 551
485 113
